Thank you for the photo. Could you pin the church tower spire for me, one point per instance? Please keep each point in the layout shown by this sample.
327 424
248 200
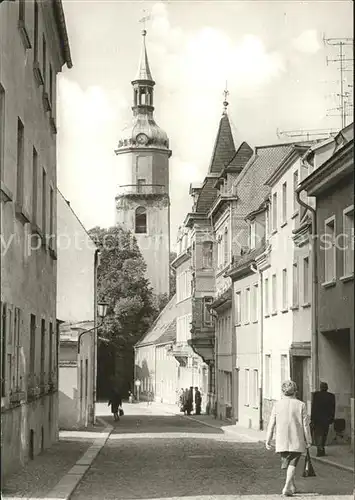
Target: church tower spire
143 202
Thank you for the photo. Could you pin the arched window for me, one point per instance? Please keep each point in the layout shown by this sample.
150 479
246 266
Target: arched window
141 220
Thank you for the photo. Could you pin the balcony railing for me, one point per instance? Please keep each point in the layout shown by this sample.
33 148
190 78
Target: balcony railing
142 189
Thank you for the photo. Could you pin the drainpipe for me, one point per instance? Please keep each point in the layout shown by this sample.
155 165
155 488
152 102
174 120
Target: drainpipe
261 347
314 340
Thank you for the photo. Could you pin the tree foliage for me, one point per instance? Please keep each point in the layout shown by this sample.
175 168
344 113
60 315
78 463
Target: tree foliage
132 306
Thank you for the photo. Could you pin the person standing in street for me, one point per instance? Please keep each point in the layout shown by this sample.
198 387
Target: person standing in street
293 434
115 402
322 415
198 401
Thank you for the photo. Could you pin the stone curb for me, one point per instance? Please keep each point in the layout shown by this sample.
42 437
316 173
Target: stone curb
66 486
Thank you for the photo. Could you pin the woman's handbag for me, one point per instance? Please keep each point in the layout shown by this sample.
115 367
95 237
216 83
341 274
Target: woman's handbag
308 470
121 412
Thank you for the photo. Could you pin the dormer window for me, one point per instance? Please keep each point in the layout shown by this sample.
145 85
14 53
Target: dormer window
140 220
252 234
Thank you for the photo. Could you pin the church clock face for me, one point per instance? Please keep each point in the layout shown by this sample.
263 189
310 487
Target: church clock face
142 139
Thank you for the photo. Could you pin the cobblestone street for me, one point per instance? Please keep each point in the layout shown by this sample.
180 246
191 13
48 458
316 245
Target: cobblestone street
151 455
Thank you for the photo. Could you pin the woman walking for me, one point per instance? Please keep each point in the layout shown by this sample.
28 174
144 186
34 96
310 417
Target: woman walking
293 435
116 403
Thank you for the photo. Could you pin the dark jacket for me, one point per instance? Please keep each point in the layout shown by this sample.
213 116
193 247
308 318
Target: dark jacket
323 408
198 398
115 402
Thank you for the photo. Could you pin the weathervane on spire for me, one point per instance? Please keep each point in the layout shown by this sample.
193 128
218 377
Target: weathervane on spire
226 94
143 20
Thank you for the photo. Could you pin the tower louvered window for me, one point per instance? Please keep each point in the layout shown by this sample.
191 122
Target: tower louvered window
141 220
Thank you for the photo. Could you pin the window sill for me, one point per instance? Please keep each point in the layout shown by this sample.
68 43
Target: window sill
21 214
267 315
307 304
294 308
274 313
295 214
255 407
6 194
238 324
274 231
24 34
247 406
247 323
284 223
38 74
329 284
346 278
255 321
284 310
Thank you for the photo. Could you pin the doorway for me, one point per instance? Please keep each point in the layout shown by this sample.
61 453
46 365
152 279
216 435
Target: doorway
31 444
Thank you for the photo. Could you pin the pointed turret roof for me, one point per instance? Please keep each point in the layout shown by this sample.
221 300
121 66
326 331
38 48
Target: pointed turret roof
224 148
144 72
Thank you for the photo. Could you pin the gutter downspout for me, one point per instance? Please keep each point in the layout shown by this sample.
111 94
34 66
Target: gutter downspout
261 347
314 324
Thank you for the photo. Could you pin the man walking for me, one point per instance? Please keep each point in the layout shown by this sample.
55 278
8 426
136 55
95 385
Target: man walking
198 401
322 415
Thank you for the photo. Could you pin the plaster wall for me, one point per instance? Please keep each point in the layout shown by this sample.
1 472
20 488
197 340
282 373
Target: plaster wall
248 356
76 267
28 265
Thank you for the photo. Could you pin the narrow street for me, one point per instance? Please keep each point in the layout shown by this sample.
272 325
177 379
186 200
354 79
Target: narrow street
167 456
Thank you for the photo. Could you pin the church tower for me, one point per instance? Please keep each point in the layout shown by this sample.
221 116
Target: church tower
142 201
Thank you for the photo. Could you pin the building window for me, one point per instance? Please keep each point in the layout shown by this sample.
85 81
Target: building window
3 348
295 186
21 11
268 376
247 387
252 235
2 131
207 254
254 303
50 357
35 41
226 246
255 389
141 220
51 212
274 212
295 285
329 250
17 346
348 230
43 349
44 201
284 290
274 294
247 306
20 162
44 62
238 312
306 280
207 316
267 299
284 202
34 185
284 370
50 84
140 185
32 366
267 223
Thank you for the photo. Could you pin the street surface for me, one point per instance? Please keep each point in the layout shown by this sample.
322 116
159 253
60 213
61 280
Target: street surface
151 456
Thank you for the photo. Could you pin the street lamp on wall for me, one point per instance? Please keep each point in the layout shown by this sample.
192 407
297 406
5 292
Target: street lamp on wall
101 312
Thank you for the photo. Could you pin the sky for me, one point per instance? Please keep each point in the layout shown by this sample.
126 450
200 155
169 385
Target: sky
271 53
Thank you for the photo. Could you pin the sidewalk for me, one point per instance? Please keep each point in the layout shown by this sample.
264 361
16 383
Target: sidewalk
56 472
339 456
